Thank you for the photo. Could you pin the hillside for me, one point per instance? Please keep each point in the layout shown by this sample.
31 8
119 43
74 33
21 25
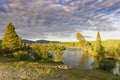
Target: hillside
11 69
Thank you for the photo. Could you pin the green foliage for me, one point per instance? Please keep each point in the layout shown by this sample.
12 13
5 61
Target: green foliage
98 45
81 39
58 54
57 51
21 55
40 51
112 49
118 50
11 41
99 50
107 65
109 50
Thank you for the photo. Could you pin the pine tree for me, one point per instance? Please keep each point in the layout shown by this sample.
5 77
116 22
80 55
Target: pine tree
98 46
99 51
11 41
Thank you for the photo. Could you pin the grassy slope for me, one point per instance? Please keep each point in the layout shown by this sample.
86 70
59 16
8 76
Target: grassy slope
11 69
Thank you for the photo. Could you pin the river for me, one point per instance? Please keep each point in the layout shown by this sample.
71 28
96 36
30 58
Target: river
74 57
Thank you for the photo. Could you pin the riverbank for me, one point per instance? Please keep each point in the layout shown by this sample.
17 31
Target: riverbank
12 69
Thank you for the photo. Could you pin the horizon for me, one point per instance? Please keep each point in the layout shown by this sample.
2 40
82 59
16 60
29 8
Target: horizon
60 20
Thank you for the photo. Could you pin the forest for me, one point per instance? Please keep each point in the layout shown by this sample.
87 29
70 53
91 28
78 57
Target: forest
14 50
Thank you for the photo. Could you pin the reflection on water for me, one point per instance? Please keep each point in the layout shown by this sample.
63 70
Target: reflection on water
116 69
73 57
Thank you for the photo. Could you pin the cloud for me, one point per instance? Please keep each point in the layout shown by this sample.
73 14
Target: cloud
45 18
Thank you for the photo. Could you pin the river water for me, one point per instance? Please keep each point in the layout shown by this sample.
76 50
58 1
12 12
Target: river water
74 57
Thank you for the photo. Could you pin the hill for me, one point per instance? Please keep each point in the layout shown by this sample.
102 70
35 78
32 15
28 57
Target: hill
38 41
12 69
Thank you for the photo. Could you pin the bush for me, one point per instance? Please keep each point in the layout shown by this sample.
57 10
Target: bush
107 64
58 55
40 52
21 55
40 55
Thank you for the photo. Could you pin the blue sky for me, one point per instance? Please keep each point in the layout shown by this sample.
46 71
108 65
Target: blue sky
61 19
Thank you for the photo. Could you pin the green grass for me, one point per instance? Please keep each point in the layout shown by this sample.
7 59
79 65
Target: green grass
13 69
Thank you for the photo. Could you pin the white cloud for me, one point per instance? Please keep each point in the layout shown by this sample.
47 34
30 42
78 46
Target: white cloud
38 18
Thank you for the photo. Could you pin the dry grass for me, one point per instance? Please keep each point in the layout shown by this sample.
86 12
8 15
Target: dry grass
12 69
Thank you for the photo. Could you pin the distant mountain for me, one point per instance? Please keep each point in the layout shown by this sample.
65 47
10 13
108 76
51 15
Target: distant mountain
28 41
38 41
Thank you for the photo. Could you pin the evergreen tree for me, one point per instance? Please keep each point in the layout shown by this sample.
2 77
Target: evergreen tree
11 41
99 51
98 46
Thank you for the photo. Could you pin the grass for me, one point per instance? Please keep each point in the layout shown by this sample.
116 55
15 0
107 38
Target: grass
13 69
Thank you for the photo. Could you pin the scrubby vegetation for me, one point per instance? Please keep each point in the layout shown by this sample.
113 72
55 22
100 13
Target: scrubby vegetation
41 51
13 46
14 69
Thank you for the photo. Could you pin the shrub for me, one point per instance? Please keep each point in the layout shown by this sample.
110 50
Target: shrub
40 53
21 55
107 64
58 55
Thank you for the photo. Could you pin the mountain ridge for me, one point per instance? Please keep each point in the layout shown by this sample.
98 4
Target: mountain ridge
37 41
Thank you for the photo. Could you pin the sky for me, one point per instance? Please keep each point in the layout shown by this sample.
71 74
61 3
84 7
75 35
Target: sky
60 20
